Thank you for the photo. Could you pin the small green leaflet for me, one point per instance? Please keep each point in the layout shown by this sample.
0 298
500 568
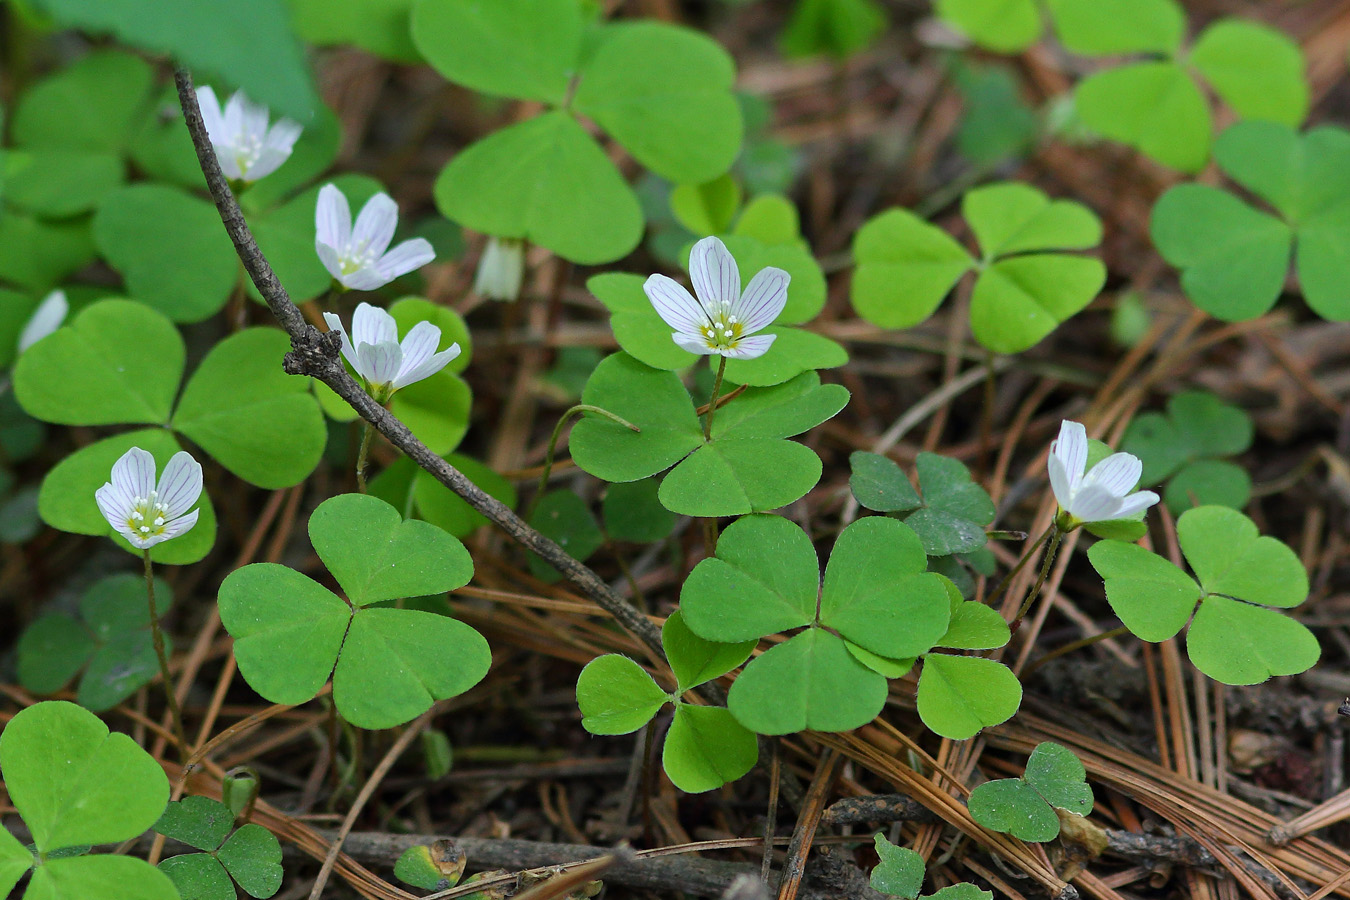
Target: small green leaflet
1025 807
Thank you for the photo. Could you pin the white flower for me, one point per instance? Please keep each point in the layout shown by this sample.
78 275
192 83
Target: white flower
375 353
1102 494
246 148
147 513
721 321
48 316
355 256
501 269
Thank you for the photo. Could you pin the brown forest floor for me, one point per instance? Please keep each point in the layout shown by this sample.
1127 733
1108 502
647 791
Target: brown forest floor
1189 776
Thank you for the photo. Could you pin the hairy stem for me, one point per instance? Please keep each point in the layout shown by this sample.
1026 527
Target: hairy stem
361 456
1021 564
157 636
712 403
1050 551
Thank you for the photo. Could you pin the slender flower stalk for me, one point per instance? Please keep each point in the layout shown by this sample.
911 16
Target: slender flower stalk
244 144
717 319
147 513
356 255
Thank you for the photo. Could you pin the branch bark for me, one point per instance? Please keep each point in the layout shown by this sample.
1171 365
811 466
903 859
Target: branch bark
316 354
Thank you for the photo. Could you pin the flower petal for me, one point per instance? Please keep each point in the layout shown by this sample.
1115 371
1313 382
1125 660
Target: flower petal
1139 500
48 316
714 273
1072 449
750 347
366 278
233 118
763 300
1095 503
335 324
329 257
174 527
408 256
332 223
372 325
134 475
375 225
1059 481
428 367
418 345
693 344
378 363
180 485
113 506
676 306
1118 473
212 117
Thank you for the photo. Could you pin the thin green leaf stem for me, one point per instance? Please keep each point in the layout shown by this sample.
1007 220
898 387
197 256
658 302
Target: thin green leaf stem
557 433
157 636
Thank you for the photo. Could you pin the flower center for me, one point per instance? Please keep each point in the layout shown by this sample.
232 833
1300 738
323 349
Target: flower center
355 258
723 330
247 149
147 516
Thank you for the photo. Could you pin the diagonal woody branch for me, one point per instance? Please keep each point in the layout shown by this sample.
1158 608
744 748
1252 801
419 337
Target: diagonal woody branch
316 354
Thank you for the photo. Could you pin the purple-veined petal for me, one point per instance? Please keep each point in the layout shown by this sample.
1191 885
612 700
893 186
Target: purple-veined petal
428 367
1059 480
407 257
133 475
1094 503
375 225
366 278
335 324
1118 473
418 345
693 343
1136 502
763 300
180 485
378 362
329 257
372 325
180 525
48 316
332 222
714 274
675 305
1072 449
114 507
750 347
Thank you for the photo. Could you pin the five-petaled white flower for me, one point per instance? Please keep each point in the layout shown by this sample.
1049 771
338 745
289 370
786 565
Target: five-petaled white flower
144 512
48 316
246 147
1101 494
375 353
356 256
722 321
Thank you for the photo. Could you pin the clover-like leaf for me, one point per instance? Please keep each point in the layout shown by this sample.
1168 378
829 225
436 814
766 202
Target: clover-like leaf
91 105
1257 70
388 664
648 82
250 856
633 512
959 695
838 28
695 660
1238 643
38 254
1208 482
905 266
59 183
1229 557
880 484
116 361
706 748
566 519
548 181
1025 807
955 509
617 696
900 871
1155 106
1004 26
1113 27
199 822
1182 445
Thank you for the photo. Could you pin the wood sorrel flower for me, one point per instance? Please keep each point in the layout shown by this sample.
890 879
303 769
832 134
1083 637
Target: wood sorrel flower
722 320
48 316
1101 494
246 148
147 513
355 256
375 353
501 269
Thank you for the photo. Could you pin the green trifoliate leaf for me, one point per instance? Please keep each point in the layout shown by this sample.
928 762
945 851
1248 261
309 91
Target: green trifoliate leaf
115 362
38 254
380 26
1025 807
59 183
1182 445
1238 643
252 856
695 660
880 484
900 872
526 49
1153 598
253 418
617 696
955 509
877 593
810 681
769 565
545 180
706 208
66 499
1113 27
664 93
198 822
1153 106
74 783
959 695
198 876
1229 557
838 28
147 232
905 266
1257 70
91 105
632 512
737 476
375 555
707 748
1019 301
1004 26
1208 482
566 519
107 877
1011 217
